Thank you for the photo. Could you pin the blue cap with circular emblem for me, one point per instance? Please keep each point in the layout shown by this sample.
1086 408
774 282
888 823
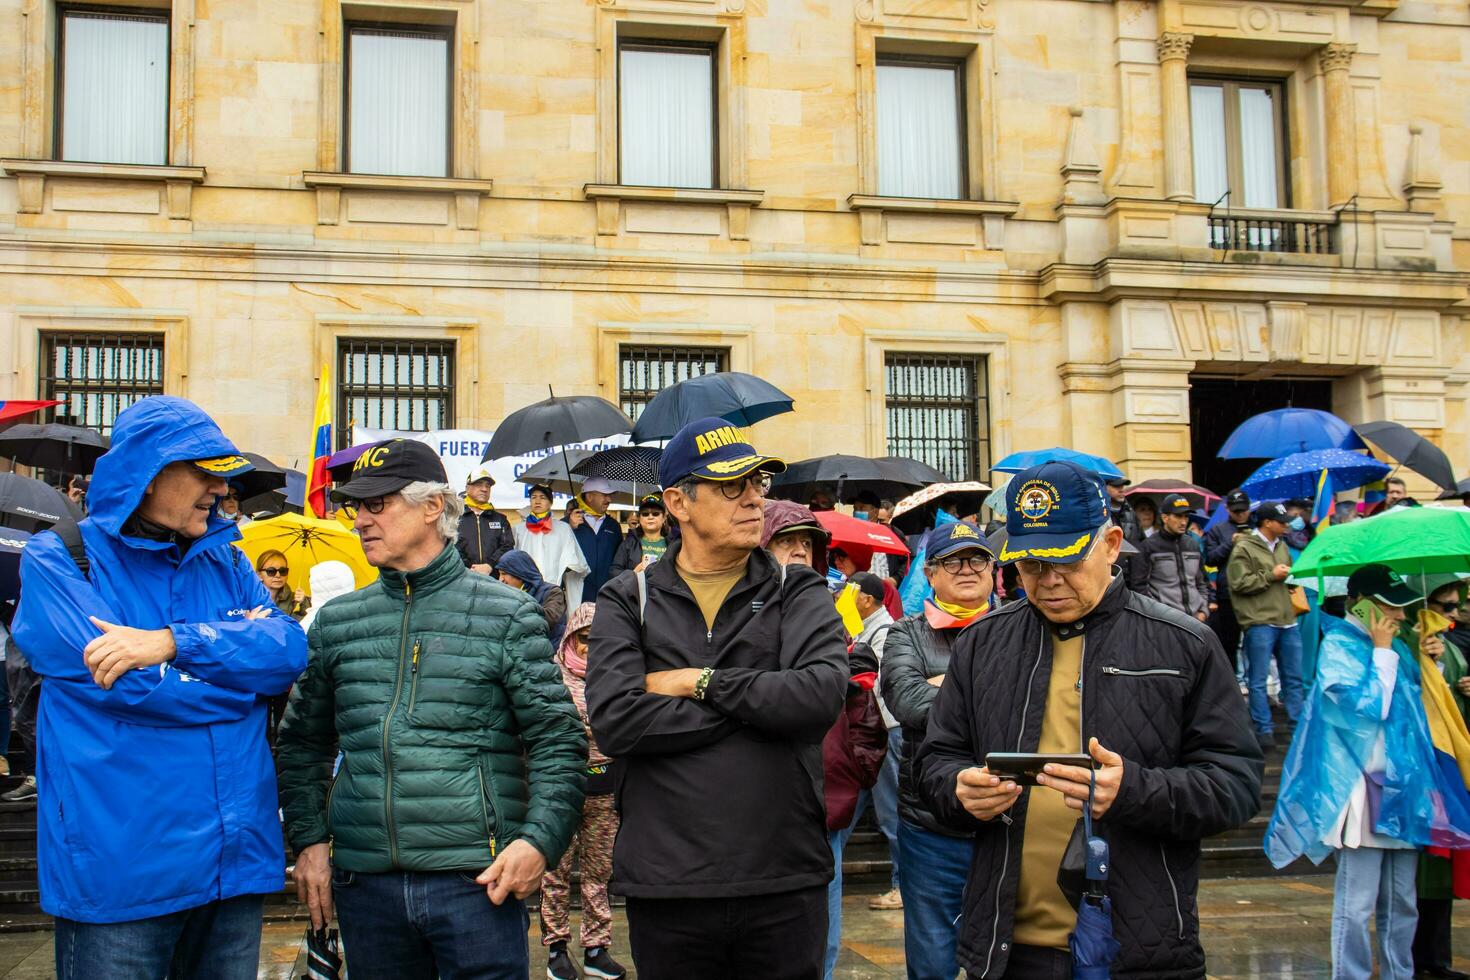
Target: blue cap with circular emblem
1053 512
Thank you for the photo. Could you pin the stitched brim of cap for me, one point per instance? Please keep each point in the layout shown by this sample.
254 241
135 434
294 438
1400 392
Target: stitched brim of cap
368 487
1398 596
225 466
1059 549
734 469
815 529
955 547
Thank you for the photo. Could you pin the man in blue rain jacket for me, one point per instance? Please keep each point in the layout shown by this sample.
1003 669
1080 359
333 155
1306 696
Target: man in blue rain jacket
157 824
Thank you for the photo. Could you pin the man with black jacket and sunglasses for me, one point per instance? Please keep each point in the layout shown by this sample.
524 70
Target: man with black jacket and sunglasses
712 677
1085 666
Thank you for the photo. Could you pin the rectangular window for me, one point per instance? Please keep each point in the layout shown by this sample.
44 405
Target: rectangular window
1238 131
399 92
112 87
667 115
938 411
921 129
97 375
394 384
645 371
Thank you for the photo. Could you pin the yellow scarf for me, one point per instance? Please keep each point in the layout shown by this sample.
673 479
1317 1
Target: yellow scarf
586 508
958 611
475 505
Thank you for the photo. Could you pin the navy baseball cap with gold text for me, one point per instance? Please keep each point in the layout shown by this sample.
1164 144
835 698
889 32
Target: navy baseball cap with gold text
712 449
1053 513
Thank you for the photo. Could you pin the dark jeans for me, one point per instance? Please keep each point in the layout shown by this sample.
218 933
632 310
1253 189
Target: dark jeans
932 881
1037 963
767 937
418 925
218 941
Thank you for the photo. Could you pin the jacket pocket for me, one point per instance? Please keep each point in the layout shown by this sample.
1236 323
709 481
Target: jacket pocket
1114 671
489 808
331 790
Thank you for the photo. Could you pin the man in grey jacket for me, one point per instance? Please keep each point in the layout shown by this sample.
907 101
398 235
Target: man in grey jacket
1176 565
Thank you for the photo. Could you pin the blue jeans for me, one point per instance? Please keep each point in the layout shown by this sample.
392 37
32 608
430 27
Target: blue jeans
419 925
837 840
1373 883
932 882
1284 643
217 941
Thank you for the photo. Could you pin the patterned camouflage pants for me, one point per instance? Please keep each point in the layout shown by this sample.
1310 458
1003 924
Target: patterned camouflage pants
592 847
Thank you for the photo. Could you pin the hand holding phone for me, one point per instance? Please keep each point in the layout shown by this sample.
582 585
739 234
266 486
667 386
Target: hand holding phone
1380 627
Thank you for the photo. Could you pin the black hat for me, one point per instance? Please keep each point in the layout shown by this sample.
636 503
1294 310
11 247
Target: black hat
1117 481
1176 503
1237 500
651 500
869 585
1273 510
388 467
1381 583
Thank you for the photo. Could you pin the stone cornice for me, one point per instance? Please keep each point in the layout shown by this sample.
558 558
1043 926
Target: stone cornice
686 195
925 205
388 182
101 171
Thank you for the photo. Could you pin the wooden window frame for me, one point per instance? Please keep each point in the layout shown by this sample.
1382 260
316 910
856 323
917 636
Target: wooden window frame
1281 120
637 42
955 65
444 33
163 16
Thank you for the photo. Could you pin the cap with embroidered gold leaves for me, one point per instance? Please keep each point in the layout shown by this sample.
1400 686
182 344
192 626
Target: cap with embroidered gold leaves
388 467
951 539
225 467
1053 512
712 449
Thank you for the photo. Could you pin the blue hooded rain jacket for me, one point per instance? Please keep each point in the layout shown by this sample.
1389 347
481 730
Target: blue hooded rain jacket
159 794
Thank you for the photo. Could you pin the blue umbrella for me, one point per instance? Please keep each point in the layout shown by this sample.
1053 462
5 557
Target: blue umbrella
1016 462
12 543
1289 430
1296 476
1092 942
741 399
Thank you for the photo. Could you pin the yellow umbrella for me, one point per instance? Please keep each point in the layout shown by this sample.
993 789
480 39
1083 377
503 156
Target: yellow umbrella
306 541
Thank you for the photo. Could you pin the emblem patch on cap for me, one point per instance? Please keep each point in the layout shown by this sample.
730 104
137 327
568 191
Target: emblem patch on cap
1035 500
962 531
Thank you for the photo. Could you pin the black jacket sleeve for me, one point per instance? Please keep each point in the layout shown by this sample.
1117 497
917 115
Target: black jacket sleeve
630 553
802 699
906 688
1216 784
1218 542
505 540
949 742
464 541
625 719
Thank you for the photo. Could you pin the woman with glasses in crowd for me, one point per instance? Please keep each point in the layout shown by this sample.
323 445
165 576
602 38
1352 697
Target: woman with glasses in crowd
273 568
646 541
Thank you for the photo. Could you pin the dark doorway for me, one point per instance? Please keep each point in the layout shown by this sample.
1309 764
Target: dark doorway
1217 405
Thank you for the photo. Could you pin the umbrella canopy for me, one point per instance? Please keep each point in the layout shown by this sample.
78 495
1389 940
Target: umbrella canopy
306 542
69 448
741 399
1411 450
555 422
1460 489
31 504
1410 540
1092 942
557 471
12 543
913 513
1016 462
915 469
1288 430
1199 497
845 476
266 476
1295 476
860 539
16 409
627 464
996 499
339 464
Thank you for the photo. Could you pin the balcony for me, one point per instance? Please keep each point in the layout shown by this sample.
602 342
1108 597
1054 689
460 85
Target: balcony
1260 230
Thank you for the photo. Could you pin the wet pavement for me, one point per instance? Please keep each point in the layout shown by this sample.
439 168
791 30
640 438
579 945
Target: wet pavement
1252 928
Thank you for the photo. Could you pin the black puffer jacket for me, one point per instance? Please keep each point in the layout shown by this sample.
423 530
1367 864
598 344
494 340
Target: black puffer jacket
1157 690
914 652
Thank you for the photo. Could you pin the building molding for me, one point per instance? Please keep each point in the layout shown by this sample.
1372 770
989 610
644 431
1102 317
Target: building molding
32 321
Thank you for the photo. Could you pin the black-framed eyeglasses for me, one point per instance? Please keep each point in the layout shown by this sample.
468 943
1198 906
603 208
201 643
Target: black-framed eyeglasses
954 564
735 489
373 505
1448 608
274 570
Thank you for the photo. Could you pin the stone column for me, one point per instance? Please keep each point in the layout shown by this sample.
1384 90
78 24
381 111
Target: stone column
1178 145
1337 96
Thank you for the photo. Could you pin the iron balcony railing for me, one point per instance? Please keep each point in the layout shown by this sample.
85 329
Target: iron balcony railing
1261 230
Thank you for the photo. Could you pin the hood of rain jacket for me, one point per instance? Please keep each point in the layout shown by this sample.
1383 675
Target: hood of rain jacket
516 562
158 794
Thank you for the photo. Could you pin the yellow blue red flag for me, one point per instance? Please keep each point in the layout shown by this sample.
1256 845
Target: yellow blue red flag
321 447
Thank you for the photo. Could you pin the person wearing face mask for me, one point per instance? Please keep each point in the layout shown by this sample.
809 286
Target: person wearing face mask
229 508
552 545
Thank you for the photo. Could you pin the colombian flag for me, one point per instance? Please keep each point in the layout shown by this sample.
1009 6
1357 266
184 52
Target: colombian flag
317 479
1326 497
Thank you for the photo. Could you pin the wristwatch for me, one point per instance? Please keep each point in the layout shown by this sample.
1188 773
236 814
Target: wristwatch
701 686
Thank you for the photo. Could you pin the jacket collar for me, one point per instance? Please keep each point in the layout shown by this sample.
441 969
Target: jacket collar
665 573
1114 601
447 568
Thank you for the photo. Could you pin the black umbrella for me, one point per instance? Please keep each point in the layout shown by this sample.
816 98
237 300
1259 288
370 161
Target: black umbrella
740 399
556 422
916 469
1461 489
30 504
848 476
1411 450
627 464
266 476
12 544
69 448
553 472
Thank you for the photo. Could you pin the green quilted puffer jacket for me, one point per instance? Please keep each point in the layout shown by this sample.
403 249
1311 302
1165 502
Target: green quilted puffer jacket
458 734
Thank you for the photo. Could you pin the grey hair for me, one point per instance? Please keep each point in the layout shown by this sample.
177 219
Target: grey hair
422 492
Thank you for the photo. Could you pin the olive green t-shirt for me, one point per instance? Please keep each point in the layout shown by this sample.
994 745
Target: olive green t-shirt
710 588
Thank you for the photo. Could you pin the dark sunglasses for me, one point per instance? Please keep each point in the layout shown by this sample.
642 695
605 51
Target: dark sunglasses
650 512
1449 608
373 505
273 570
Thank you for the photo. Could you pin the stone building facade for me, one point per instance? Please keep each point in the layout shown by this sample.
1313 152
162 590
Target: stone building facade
1067 282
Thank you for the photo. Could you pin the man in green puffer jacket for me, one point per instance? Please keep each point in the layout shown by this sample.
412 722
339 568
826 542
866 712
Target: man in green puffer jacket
463 756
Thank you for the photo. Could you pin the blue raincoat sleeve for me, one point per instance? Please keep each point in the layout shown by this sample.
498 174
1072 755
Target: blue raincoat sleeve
262 656
52 627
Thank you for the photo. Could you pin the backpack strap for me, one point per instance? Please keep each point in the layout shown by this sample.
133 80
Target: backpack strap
70 534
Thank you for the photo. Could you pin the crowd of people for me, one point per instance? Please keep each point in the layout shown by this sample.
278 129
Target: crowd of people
679 712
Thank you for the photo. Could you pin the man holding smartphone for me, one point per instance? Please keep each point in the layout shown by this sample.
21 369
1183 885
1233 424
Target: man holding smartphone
1085 665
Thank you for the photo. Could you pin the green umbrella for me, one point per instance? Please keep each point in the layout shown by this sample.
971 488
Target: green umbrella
1413 541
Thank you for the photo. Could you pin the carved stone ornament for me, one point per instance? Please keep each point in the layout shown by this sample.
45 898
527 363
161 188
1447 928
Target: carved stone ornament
984 16
1336 56
864 10
1174 47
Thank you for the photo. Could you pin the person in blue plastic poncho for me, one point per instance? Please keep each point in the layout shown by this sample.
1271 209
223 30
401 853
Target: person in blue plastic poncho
1361 779
157 826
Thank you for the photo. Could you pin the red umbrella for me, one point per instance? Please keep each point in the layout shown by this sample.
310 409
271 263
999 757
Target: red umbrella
1202 498
15 409
860 538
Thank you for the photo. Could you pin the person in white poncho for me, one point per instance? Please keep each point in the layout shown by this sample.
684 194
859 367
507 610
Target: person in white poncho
552 545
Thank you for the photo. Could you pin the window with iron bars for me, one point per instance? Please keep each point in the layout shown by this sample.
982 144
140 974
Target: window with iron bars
97 375
937 408
645 371
394 384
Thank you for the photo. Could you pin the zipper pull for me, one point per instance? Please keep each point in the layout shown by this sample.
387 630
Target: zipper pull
414 667
492 847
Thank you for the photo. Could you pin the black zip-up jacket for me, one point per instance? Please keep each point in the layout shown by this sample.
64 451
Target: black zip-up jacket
913 652
484 535
1156 689
1176 572
722 797
630 553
